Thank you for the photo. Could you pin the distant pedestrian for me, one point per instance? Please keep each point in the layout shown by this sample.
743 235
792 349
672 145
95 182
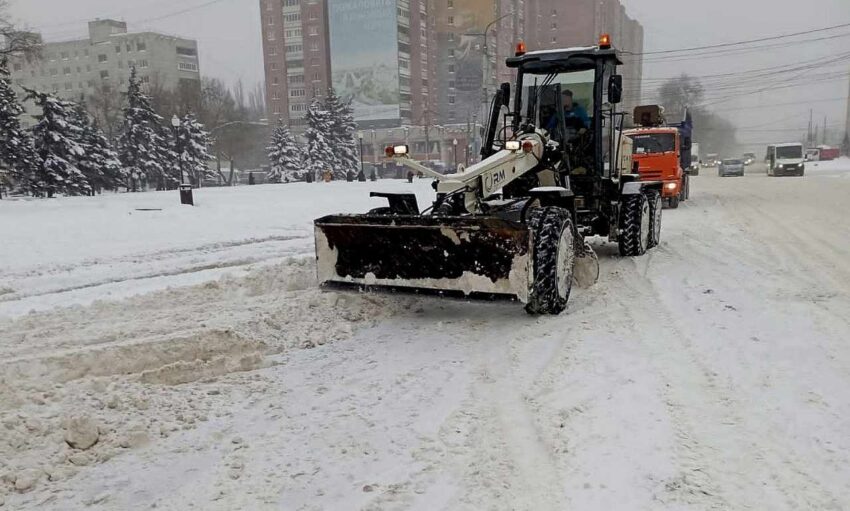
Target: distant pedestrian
374 175
409 176
251 178
349 176
361 176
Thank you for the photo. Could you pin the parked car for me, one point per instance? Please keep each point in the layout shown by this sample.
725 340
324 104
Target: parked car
731 167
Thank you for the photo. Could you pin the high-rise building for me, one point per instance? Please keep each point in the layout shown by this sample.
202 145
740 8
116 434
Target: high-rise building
380 56
559 24
473 39
296 56
376 53
76 68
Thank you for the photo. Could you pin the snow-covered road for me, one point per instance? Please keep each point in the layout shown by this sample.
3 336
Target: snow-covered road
711 374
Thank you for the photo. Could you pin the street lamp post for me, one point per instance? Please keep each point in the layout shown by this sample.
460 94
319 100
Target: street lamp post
185 189
360 136
454 143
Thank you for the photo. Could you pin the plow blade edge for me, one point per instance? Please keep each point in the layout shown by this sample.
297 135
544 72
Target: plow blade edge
468 255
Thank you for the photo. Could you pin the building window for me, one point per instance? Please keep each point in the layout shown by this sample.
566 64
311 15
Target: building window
145 79
273 66
313 15
316 77
451 84
314 30
65 55
314 46
554 25
101 58
298 107
69 85
451 20
292 32
275 80
292 18
144 64
275 95
128 47
294 48
54 72
451 4
271 36
104 75
55 87
297 93
187 66
296 79
118 48
451 52
141 46
86 53
314 62
271 22
187 52
79 69
290 3
451 68
273 51
66 71
451 37
88 69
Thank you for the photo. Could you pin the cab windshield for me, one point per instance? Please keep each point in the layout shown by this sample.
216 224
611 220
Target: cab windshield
654 143
539 97
789 152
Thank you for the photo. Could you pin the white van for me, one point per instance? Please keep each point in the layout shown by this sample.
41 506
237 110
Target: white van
785 160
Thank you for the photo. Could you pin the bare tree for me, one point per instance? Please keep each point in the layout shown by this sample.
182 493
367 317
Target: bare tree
105 105
14 41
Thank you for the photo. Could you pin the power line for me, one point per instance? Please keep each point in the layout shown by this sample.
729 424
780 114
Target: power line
741 43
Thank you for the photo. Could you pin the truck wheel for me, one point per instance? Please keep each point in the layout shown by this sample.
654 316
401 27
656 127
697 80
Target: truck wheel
635 219
553 260
655 208
673 202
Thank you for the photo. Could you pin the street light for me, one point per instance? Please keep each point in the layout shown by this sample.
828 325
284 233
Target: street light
454 143
185 190
360 136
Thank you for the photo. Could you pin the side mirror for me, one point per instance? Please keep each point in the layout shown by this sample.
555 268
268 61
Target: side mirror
615 89
506 94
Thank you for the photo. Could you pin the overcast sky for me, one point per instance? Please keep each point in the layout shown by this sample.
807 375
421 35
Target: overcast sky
228 34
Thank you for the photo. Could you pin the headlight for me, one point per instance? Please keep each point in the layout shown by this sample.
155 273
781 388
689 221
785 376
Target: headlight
671 186
513 145
400 150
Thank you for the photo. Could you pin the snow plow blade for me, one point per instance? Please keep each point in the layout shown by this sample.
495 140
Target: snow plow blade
467 255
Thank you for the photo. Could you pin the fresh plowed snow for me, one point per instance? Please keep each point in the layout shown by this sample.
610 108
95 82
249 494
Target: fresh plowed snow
712 373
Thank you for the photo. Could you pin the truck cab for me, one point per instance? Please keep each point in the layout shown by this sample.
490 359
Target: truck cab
786 160
657 151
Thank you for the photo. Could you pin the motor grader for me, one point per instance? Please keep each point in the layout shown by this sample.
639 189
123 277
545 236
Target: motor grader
515 223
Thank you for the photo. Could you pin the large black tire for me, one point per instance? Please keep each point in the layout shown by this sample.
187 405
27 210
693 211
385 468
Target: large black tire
673 202
635 217
686 187
553 260
656 205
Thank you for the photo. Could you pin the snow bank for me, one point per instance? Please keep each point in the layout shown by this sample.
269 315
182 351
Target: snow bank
80 249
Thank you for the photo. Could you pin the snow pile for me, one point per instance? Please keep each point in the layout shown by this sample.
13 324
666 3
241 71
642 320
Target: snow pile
131 372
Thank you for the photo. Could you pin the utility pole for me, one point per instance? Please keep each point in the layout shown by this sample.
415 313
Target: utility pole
824 130
811 127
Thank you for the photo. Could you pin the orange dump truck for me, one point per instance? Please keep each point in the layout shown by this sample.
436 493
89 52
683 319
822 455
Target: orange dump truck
658 149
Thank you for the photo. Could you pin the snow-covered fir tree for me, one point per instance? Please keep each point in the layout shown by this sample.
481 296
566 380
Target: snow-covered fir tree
319 156
99 162
193 144
285 156
55 138
16 149
343 132
143 146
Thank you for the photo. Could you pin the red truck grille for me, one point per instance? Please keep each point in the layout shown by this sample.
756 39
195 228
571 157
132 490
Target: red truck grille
650 175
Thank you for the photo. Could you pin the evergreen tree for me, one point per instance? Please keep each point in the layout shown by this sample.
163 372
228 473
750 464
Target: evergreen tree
319 155
342 133
193 143
16 148
99 163
284 155
143 145
56 139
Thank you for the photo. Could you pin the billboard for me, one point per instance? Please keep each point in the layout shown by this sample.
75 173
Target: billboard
364 57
